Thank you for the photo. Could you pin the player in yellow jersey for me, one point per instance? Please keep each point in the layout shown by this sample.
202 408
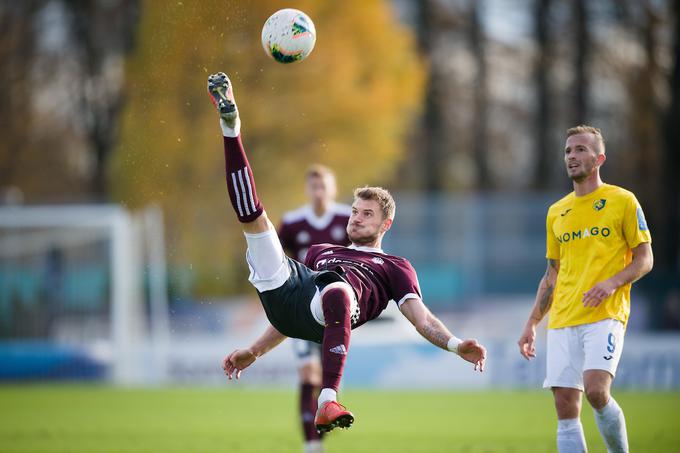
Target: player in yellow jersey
598 244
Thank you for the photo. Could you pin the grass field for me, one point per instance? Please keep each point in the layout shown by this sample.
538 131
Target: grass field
82 419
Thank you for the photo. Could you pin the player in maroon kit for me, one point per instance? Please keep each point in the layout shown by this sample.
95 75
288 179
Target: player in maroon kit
320 221
336 290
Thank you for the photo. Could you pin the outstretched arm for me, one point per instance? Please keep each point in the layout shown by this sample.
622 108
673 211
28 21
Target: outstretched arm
642 263
544 298
434 331
241 359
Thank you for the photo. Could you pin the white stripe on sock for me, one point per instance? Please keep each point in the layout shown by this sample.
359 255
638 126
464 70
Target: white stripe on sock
236 194
248 175
243 192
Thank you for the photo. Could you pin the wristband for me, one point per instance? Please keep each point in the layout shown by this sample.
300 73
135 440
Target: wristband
453 343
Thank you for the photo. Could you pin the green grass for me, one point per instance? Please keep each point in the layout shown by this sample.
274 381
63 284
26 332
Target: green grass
75 419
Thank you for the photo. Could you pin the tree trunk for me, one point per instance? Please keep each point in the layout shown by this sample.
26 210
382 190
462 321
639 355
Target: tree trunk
543 119
438 22
581 89
481 102
669 254
102 34
17 45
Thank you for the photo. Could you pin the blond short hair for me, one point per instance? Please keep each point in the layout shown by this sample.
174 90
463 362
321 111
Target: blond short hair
319 171
584 129
382 196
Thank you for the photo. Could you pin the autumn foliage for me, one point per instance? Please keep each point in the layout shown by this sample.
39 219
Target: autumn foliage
350 105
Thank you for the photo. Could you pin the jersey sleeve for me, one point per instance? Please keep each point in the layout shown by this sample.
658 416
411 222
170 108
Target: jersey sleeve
405 283
635 228
552 246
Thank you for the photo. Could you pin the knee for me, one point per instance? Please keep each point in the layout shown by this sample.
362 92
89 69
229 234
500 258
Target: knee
597 396
336 300
567 403
337 290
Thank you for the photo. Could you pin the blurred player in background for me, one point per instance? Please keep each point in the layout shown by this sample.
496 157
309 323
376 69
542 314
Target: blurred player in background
336 290
322 221
598 244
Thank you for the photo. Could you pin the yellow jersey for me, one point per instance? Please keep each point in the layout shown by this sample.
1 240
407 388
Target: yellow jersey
592 237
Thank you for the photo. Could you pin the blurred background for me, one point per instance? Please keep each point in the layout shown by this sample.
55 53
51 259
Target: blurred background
121 260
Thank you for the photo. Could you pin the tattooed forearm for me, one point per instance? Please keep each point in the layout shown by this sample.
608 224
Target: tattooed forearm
435 332
550 276
546 300
544 296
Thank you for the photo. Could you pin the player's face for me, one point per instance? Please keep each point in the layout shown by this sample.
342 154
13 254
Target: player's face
366 223
320 189
581 156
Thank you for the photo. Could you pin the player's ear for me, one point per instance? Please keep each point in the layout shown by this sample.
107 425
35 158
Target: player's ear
601 158
386 225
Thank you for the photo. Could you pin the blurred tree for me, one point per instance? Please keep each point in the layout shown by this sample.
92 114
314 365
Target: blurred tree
543 123
349 105
17 47
103 33
670 254
481 97
437 25
581 84
60 92
446 161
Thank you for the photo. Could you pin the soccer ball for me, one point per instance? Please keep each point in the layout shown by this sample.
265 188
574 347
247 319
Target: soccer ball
288 36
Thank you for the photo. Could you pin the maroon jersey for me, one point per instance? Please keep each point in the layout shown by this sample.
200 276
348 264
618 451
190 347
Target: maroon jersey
377 278
301 228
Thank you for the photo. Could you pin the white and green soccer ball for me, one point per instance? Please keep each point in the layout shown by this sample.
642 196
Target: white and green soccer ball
288 36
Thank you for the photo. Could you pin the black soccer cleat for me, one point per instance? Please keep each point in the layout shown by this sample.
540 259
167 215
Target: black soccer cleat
222 96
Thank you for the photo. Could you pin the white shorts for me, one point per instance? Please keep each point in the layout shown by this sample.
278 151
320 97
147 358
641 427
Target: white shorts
266 260
306 351
572 350
269 270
